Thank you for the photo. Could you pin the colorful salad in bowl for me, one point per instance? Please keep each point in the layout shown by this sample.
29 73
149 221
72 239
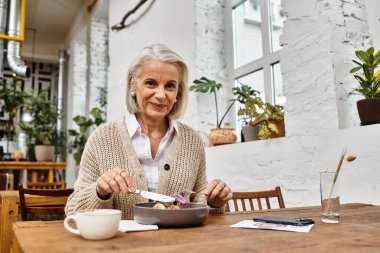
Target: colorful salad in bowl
182 213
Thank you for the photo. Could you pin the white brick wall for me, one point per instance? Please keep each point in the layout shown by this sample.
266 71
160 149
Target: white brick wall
89 71
317 82
319 40
350 33
210 61
308 77
98 59
372 7
76 98
315 61
294 164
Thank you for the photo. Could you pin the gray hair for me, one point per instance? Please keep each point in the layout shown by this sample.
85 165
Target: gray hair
164 54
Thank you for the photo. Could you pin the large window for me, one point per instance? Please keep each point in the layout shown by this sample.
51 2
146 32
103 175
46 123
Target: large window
257 26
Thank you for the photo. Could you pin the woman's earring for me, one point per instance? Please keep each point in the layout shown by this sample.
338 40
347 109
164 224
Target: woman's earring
133 94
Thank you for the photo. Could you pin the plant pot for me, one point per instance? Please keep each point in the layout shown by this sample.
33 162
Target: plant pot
220 136
281 130
250 133
369 111
44 153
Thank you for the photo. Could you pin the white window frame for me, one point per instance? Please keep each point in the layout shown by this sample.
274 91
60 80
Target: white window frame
266 61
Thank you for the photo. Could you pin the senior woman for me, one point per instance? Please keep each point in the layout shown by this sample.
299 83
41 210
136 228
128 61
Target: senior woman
147 149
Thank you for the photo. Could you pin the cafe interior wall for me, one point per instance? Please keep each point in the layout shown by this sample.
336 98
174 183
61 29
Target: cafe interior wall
319 40
316 129
86 42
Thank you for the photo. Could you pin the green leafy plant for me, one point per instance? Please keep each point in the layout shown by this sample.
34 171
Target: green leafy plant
243 93
205 85
42 128
270 118
11 99
86 125
369 79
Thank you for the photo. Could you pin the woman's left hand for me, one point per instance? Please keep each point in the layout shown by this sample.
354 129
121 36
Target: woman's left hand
217 193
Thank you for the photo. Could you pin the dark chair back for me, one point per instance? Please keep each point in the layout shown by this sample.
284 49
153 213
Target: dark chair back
240 200
48 211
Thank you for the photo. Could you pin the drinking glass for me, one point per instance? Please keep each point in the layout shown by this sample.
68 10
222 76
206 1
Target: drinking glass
330 198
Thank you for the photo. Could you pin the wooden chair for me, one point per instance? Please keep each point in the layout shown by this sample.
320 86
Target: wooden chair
50 211
45 185
243 197
6 181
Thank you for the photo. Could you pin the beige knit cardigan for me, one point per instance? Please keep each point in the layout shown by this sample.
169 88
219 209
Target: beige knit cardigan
109 146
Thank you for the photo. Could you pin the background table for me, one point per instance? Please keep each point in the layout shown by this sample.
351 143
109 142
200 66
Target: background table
33 167
359 231
9 212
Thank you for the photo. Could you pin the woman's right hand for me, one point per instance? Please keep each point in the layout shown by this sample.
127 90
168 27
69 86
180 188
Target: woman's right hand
114 181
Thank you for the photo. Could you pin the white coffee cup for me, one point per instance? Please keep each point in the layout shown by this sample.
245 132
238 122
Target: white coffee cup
95 224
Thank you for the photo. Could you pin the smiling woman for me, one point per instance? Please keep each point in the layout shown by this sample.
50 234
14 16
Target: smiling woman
156 89
147 149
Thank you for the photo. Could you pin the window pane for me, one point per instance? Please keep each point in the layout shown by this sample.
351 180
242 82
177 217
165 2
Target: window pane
247 32
279 97
255 80
277 18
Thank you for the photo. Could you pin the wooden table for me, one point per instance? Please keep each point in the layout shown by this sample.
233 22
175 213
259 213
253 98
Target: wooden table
359 231
9 212
34 166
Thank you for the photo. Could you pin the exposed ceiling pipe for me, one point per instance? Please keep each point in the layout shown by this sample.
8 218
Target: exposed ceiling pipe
3 24
13 49
62 91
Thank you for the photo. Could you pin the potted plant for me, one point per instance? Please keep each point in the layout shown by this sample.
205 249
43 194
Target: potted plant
242 93
85 125
369 85
11 99
217 135
80 136
269 118
42 128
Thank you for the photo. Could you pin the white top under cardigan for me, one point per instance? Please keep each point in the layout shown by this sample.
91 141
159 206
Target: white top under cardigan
141 144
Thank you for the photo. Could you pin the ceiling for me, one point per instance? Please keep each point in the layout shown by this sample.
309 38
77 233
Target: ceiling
51 18
49 23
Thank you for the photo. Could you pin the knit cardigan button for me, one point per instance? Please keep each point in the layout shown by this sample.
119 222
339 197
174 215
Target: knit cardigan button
167 167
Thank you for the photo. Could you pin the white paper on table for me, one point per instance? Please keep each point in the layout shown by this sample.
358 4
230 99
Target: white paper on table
272 226
131 225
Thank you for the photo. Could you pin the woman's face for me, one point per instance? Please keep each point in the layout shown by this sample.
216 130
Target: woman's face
156 88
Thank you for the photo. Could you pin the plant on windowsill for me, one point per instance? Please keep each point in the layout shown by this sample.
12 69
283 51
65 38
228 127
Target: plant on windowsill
42 128
242 93
217 135
269 118
86 125
369 85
